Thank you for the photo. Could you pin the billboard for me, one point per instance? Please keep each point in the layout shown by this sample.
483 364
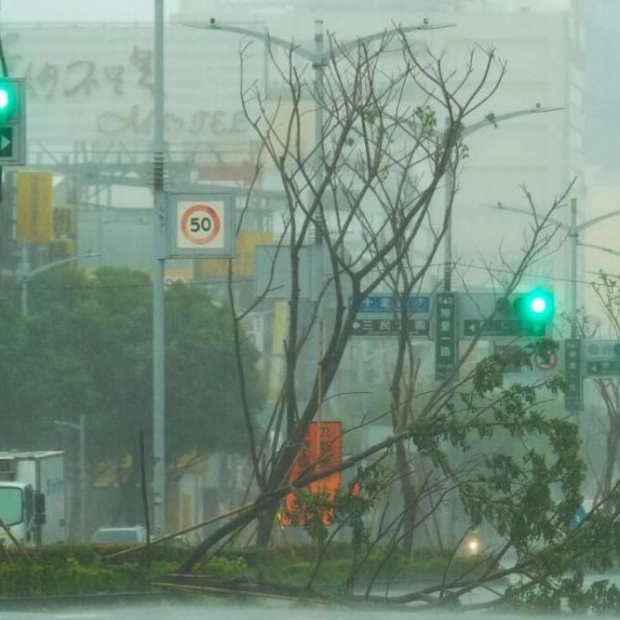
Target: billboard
321 450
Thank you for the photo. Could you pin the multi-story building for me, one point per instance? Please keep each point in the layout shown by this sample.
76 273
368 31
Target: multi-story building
541 45
91 104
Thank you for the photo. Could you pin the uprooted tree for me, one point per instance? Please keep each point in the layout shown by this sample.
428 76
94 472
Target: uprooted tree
359 201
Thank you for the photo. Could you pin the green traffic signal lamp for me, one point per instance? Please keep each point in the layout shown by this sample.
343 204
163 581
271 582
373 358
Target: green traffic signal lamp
536 309
538 305
8 99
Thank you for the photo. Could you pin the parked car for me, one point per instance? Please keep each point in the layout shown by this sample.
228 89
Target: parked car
120 535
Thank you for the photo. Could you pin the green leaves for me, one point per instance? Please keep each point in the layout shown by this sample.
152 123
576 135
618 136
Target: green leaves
86 348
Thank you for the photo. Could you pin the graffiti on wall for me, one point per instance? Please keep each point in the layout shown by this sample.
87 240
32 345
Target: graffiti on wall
100 82
202 122
82 76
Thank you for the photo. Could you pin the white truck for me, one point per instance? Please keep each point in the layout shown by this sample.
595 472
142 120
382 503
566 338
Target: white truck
33 498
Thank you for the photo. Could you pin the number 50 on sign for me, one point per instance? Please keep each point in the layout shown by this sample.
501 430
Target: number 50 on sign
201 225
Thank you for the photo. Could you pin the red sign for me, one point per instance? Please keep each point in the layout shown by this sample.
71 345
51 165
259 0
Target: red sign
321 450
548 363
241 173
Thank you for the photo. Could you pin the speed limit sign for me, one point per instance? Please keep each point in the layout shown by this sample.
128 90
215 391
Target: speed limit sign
201 225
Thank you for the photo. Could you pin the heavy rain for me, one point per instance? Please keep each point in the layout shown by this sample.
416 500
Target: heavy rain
309 308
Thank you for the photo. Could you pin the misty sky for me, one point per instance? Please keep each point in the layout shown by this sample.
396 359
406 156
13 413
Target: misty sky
115 10
81 10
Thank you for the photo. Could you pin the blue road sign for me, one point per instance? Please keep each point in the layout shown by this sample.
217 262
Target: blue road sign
580 515
416 304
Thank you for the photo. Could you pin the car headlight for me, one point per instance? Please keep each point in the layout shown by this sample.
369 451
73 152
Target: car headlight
473 546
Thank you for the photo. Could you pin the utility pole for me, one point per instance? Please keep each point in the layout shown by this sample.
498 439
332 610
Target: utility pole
159 264
81 428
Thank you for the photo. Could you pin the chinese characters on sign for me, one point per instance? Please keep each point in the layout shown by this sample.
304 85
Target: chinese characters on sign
416 304
81 76
321 450
390 327
115 94
572 371
446 345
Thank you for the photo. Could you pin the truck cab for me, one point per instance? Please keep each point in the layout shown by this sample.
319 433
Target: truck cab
22 511
32 498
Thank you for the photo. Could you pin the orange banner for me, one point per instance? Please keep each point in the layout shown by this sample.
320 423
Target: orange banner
321 450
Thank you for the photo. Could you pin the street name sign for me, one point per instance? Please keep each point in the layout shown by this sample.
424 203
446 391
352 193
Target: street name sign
416 304
389 327
446 342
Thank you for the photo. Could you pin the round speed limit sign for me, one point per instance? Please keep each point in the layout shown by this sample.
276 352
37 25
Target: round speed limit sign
200 225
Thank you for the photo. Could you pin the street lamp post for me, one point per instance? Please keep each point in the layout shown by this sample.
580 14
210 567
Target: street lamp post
319 58
25 274
599 247
81 428
489 120
573 230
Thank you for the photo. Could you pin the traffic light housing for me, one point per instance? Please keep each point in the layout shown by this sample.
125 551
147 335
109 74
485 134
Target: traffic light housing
12 121
535 309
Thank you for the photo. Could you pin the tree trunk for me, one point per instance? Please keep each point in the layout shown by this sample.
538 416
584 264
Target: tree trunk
409 497
613 443
265 528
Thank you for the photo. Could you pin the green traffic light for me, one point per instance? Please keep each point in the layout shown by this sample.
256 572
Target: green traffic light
536 305
535 310
7 99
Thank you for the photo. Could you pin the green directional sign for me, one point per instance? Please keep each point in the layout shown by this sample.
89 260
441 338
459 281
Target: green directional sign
500 328
573 375
7 143
603 369
602 358
446 342
492 328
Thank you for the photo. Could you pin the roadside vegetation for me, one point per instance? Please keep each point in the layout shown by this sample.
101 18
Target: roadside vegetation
91 569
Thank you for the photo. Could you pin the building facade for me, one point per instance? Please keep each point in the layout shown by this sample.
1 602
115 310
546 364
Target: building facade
90 105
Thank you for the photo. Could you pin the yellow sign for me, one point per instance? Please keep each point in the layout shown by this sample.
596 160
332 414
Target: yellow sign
243 263
34 207
64 222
